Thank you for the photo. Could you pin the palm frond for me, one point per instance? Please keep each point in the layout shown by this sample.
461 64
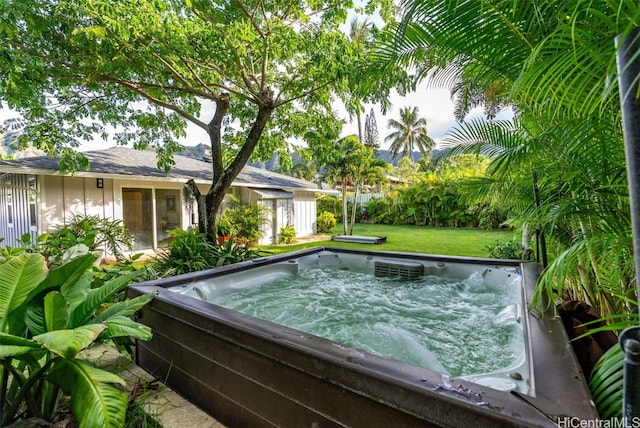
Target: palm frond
606 383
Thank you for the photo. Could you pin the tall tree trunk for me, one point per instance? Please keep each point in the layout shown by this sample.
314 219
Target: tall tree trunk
200 203
223 177
345 216
353 209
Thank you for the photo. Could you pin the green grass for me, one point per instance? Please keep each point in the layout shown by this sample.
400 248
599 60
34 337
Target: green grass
415 239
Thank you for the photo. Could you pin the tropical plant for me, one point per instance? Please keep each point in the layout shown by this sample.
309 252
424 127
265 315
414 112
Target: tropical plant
247 221
46 318
189 251
325 222
90 230
288 234
410 134
350 163
606 383
229 252
153 66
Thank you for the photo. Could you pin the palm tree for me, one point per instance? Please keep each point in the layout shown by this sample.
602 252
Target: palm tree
410 134
568 129
349 163
362 38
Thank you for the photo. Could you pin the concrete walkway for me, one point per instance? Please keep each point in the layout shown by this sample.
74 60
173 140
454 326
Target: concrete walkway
159 401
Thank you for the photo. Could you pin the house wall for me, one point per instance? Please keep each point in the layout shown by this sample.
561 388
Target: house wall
58 198
63 197
299 211
305 213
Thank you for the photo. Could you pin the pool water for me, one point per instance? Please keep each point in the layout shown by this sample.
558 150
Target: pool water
456 327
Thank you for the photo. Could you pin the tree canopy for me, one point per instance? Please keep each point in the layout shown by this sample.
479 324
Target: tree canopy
74 68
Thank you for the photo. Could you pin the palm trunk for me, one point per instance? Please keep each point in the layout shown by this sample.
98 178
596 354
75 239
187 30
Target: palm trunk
345 217
353 209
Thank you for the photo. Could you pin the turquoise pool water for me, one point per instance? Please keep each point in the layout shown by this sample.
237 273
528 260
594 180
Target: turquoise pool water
456 327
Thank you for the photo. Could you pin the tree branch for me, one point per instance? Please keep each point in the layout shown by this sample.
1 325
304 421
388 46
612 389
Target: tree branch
158 102
209 86
304 94
254 24
265 56
172 69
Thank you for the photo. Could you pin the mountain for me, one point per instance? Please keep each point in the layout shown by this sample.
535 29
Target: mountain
201 152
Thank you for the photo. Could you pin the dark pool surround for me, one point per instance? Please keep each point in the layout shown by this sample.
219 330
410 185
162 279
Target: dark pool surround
252 373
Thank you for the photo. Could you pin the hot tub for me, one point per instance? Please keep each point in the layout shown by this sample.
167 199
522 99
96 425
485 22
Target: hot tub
248 371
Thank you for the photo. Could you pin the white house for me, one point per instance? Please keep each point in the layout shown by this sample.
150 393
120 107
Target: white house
125 184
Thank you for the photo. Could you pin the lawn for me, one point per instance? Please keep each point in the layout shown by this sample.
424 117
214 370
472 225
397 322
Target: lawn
416 239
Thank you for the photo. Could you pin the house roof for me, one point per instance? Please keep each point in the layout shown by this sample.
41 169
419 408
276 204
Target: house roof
123 162
273 194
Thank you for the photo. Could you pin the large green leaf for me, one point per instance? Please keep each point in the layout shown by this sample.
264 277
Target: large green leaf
18 277
11 346
74 289
120 326
96 297
67 343
66 275
124 308
34 317
97 399
77 291
56 311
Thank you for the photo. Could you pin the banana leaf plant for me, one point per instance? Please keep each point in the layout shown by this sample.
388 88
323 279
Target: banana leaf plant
47 317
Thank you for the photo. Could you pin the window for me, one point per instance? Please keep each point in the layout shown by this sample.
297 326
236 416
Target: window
9 195
33 212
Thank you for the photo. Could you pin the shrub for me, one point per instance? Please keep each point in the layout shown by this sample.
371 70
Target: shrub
247 221
325 222
288 234
229 252
510 250
190 251
330 204
91 231
379 211
488 217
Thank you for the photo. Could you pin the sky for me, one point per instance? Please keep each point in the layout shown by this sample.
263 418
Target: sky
435 105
